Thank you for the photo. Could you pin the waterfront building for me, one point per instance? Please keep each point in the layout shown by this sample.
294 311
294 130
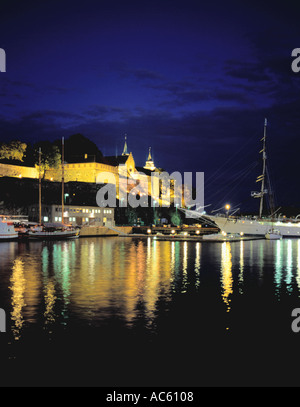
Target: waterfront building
77 215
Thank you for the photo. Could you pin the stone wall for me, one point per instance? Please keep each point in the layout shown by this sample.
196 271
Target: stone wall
82 172
17 171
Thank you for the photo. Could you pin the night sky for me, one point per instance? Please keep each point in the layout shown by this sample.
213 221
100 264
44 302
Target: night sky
192 79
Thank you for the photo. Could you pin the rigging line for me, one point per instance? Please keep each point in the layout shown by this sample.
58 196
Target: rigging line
241 176
233 170
235 187
238 174
228 168
237 152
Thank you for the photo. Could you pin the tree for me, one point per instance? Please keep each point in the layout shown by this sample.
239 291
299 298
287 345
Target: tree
79 148
175 219
15 150
50 156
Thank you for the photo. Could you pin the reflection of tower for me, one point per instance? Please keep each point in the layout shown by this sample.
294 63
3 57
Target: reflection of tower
125 151
149 163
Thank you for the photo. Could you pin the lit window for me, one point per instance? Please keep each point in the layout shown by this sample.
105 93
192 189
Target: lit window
46 219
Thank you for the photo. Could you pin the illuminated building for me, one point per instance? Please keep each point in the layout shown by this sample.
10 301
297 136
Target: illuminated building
74 214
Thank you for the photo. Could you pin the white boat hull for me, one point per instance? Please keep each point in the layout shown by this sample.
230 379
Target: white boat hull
7 231
8 236
273 236
255 227
248 227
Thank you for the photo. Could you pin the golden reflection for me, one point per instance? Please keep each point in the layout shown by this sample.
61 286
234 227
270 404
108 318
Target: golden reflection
241 274
50 299
184 267
125 275
49 288
18 285
226 270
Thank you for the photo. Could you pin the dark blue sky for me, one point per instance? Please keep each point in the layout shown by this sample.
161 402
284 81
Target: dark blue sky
192 79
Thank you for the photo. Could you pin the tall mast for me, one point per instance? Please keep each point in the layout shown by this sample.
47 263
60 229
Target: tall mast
62 179
40 188
263 151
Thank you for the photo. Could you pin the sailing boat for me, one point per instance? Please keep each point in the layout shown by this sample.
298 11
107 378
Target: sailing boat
254 226
53 231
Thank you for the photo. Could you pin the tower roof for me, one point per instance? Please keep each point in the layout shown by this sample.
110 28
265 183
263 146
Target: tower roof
149 163
125 151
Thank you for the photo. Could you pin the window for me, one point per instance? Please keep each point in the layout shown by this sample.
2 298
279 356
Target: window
46 219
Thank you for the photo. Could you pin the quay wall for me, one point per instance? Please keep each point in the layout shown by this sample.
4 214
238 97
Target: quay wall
103 231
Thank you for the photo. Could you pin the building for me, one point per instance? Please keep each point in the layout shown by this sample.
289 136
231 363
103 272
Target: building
85 170
74 214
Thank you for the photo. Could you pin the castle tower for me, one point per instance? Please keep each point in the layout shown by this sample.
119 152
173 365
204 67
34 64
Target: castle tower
125 151
149 163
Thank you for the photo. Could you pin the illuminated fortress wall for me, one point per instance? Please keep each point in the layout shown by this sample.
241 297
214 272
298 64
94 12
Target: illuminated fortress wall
16 171
82 172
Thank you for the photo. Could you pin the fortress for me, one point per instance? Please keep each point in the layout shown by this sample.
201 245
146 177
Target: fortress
84 171
120 170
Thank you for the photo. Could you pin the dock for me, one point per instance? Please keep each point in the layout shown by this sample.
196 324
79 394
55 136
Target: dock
182 238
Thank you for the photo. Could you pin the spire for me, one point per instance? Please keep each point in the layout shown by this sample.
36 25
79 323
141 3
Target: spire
150 163
125 152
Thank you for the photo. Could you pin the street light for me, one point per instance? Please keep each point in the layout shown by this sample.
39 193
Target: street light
227 207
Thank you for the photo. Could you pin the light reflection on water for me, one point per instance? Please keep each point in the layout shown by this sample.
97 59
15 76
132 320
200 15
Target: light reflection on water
96 279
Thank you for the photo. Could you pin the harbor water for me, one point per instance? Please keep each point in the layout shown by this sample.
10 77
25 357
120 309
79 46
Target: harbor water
140 312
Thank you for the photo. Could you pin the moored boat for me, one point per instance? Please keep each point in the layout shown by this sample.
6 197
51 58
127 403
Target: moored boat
7 230
53 232
253 226
273 234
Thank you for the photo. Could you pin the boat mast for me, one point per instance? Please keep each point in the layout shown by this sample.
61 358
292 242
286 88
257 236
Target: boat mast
262 177
40 187
62 180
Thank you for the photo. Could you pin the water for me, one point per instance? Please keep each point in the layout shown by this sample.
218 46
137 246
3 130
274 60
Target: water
129 312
